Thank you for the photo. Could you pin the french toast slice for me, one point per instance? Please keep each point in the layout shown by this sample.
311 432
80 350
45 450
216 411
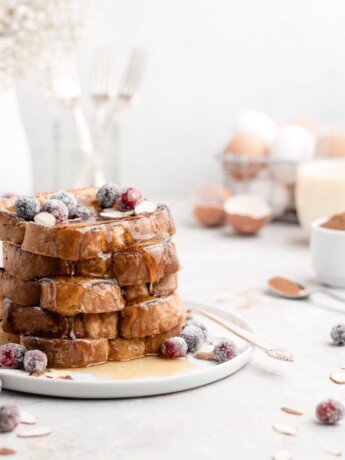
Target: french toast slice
72 240
127 349
36 321
150 316
70 296
29 292
63 353
145 264
20 291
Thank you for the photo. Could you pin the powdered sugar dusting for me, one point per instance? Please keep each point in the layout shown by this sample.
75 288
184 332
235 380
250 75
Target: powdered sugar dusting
280 353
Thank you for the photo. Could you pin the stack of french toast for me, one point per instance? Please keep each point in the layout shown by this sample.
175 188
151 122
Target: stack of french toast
92 285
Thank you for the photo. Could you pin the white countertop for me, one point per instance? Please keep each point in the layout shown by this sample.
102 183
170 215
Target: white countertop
233 418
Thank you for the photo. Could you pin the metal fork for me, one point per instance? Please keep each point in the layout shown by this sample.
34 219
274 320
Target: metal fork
67 89
101 89
131 83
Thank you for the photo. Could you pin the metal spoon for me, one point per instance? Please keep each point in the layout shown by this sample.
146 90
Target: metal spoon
292 290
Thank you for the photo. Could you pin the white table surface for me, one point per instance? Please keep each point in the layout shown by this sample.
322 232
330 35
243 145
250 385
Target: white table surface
233 418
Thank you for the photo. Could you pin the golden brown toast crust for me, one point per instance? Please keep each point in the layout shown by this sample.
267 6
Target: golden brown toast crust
71 296
69 353
88 239
36 321
151 316
136 266
127 349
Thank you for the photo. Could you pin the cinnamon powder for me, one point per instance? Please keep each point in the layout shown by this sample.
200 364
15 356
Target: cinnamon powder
336 222
286 287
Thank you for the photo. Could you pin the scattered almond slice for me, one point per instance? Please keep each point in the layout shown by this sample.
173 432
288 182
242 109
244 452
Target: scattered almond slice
66 377
38 374
145 206
35 432
343 367
115 213
285 428
282 455
46 219
27 418
287 410
205 352
338 377
7 451
330 450
37 445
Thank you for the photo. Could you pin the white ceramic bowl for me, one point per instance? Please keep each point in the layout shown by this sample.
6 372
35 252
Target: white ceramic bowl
328 254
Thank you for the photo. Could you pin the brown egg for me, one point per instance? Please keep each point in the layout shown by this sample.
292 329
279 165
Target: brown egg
332 145
208 204
305 122
250 145
247 213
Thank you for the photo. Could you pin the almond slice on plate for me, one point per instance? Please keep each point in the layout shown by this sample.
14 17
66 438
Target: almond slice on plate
338 377
287 410
27 418
35 432
285 428
332 451
7 451
145 206
282 455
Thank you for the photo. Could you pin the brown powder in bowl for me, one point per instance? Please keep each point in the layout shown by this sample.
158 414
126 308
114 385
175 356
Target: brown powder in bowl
336 222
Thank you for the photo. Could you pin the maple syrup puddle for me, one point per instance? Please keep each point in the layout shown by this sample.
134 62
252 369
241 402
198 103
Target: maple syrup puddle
141 368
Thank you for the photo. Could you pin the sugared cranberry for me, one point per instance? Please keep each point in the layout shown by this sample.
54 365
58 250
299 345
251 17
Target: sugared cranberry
129 198
56 208
199 325
12 355
338 334
194 337
80 212
108 195
174 348
68 199
35 361
27 207
330 412
224 351
9 417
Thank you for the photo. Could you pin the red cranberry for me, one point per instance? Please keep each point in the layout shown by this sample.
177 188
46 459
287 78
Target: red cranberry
174 348
12 355
9 417
224 351
194 337
129 198
330 412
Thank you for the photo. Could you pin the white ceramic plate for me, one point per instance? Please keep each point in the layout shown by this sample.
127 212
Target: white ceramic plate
141 377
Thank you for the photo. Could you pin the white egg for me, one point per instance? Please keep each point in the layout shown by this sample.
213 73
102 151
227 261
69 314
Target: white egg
255 122
294 143
275 194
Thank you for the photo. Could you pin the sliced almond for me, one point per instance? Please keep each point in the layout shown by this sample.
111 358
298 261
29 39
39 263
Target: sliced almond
35 432
343 367
287 410
285 428
338 377
282 455
330 450
38 374
46 219
205 352
27 418
66 377
145 206
7 451
115 213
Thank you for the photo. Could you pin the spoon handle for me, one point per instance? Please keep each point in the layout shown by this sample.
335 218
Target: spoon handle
331 294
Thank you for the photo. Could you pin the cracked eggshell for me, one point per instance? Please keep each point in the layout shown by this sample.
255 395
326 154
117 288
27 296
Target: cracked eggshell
247 213
208 204
256 122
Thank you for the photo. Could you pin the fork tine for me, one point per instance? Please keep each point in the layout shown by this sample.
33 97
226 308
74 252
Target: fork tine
133 72
101 82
